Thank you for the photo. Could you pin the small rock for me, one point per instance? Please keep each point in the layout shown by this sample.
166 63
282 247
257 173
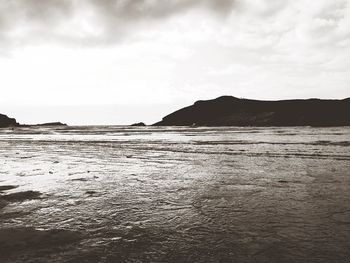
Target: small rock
283 181
80 179
90 192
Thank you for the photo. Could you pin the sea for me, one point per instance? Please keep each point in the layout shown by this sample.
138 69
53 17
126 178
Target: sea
174 194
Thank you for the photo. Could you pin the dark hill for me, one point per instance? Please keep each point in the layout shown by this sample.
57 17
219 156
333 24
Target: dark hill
231 111
7 122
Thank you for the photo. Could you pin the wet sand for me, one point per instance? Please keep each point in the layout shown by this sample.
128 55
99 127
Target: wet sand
145 194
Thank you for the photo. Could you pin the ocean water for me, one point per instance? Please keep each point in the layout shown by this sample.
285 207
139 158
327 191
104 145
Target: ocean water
174 194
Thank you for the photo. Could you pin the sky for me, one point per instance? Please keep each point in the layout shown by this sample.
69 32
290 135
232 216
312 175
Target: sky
125 61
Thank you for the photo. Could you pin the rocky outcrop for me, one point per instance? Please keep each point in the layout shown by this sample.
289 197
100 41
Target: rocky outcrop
231 111
138 124
7 122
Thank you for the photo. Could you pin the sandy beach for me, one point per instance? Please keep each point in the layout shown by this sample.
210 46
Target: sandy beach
148 194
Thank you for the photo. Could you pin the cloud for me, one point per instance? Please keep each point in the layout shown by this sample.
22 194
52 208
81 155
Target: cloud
96 22
89 21
161 51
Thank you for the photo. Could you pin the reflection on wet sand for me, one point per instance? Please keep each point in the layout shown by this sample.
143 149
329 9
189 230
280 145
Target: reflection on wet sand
121 194
25 243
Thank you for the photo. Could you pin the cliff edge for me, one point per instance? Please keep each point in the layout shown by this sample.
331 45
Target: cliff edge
232 111
7 122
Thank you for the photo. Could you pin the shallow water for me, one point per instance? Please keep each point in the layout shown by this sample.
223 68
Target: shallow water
148 194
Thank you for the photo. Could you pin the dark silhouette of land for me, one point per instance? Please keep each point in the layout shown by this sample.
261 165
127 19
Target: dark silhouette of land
7 122
231 111
49 124
138 124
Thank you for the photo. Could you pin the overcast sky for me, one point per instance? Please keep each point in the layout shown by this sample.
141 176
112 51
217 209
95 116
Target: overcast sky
124 61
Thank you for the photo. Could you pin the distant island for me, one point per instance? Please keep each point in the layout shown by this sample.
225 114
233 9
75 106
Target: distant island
139 124
50 124
232 111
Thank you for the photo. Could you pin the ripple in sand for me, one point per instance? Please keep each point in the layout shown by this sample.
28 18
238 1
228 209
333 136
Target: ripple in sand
21 196
7 187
